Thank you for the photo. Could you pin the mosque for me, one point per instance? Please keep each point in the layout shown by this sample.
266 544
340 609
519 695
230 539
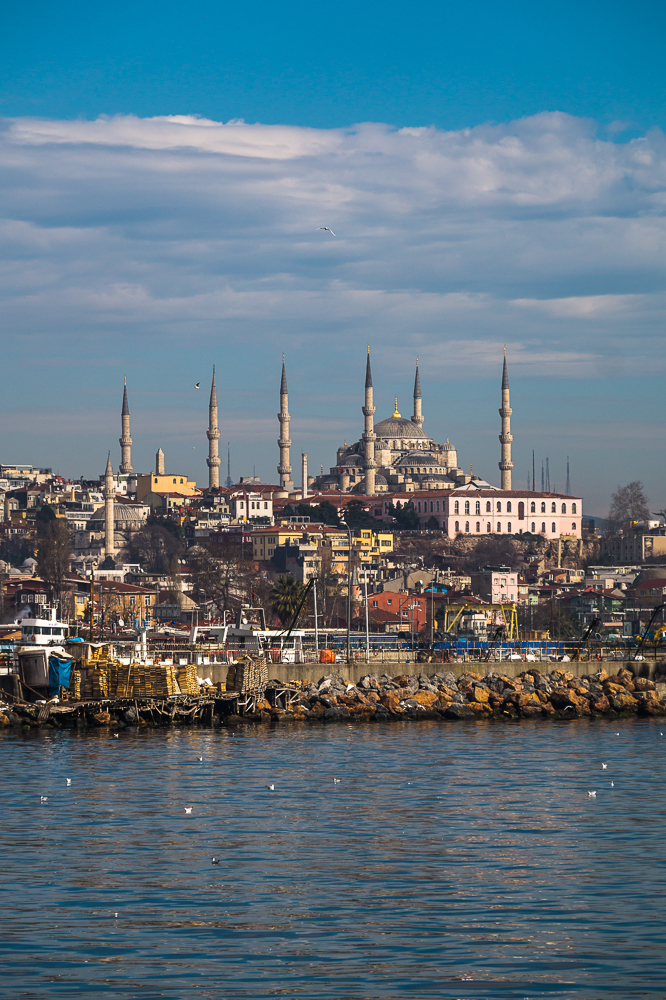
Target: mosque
395 454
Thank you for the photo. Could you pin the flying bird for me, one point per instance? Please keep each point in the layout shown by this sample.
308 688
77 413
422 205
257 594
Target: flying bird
271 788
612 784
592 794
69 781
604 766
116 735
198 385
326 230
336 781
200 759
188 809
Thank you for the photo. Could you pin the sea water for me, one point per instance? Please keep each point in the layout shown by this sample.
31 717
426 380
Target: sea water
462 860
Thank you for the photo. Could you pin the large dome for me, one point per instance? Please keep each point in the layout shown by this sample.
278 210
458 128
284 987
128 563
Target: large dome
399 427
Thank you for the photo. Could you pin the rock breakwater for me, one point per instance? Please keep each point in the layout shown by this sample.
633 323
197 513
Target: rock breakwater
532 694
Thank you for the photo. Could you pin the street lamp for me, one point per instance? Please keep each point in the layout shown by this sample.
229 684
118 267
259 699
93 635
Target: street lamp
349 578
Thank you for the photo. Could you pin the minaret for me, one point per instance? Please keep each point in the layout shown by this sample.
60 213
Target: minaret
229 482
109 500
304 475
369 432
284 443
213 435
159 462
125 441
418 416
506 437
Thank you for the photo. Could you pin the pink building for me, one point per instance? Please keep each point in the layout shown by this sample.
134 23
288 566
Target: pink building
502 512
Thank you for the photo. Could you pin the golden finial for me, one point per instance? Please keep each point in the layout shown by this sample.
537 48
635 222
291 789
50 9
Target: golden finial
447 440
368 348
417 360
345 444
505 350
283 359
125 380
396 414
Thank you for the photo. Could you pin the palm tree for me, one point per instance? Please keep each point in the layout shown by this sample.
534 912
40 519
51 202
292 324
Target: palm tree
286 597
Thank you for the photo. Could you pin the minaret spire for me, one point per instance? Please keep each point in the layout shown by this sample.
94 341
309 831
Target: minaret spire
213 435
369 432
506 437
284 468
229 483
125 441
418 414
109 500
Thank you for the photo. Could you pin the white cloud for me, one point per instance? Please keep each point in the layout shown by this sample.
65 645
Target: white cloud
157 246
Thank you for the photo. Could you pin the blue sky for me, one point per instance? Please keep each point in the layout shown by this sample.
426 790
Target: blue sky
493 174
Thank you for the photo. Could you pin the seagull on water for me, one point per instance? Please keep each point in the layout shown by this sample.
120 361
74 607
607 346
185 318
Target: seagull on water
612 784
271 788
69 781
326 230
336 781
592 794
604 766
215 861
188 809
43 798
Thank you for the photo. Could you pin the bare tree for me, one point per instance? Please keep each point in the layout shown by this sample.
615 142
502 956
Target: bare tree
629 503
222 573
53 556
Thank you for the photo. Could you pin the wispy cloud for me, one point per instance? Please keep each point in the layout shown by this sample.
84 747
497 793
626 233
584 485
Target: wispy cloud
158 246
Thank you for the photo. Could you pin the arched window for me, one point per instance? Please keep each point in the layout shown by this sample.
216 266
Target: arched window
431 507
499 507
543 527
543 508
489 506
477 507
438 506
489 527
573 525
499 526
521 511
508 527
456 508
573 508
467 527
467 506
457 526
478 527
174 480
553 528
553 508
533 508
533 526
564 508
508 507
419 506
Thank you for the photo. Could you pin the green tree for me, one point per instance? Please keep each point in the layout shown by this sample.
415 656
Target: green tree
405 516
432 524
285 598
357 516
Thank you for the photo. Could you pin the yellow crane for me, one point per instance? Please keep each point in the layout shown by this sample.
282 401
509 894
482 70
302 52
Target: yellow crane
452 612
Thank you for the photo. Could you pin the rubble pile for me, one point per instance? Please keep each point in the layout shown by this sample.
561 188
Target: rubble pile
532 694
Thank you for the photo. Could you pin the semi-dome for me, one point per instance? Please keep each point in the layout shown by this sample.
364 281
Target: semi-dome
418 458
399 427
121 512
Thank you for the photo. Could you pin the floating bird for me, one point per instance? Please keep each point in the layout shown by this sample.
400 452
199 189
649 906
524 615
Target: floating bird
188 809
612 784
336 781
592 794
327 230
271 788
617 734
198 385
69 781
604 766
115 914
44 798
661 734
215 861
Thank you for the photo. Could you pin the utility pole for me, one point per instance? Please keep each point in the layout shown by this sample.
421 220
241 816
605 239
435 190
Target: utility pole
314 594
349 579
367 623
92 604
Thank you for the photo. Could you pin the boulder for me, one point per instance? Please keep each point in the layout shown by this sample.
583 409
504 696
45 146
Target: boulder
529 700
428 699
530 711
600 676
624 702
481 694
391 701
643 684
456 711
4 719
600 703
480 708
336 713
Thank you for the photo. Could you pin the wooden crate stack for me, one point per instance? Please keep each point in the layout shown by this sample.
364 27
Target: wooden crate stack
188 679
250 676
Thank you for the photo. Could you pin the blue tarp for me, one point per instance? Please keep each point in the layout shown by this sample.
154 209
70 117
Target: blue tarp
59 673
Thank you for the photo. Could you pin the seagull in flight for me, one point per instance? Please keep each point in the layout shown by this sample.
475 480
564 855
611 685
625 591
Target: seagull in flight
116 735
198 385
188 809
612 784
592 795
69 781
604 766
326 230
336 781
200 759
271 788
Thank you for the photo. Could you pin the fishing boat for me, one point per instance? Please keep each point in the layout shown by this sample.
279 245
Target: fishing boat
43 661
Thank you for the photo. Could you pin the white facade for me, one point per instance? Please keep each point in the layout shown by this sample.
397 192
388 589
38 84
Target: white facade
247 506
500 512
